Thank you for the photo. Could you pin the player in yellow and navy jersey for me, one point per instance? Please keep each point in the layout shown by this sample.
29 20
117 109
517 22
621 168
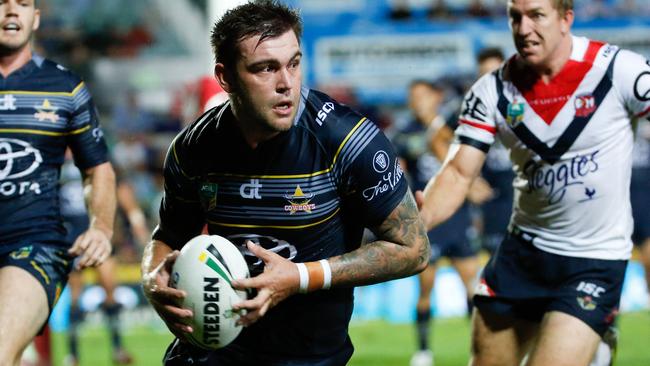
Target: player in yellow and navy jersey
292 177
44 109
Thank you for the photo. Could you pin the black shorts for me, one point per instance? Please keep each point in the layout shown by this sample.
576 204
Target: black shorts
452 238
525 282
181 354
49 264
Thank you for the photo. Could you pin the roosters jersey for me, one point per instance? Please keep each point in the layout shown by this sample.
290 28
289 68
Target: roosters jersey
305 194
44 109
570 142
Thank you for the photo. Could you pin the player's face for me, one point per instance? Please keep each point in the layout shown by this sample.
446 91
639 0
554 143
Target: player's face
18 20
538 30
269 80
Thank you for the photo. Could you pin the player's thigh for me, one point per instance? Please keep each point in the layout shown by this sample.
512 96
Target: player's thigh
23 310
563 340
467 269
75 284
499 340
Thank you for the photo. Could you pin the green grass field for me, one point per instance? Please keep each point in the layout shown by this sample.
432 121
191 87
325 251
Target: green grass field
377 343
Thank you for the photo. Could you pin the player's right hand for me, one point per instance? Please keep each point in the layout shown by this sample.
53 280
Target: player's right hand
165 299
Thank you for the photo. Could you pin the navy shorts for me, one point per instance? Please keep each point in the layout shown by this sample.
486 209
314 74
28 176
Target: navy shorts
640 198
182 354
452 238
525 282
49 264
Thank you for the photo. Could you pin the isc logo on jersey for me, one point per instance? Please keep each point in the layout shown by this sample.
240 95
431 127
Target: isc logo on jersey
205 269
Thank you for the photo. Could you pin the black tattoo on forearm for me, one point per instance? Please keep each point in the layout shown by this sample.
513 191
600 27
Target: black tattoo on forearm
402 249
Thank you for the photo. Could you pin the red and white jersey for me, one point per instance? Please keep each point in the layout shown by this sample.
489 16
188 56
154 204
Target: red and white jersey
570 141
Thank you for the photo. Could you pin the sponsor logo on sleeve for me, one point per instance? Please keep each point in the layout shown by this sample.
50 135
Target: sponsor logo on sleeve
474 108
324 112
642 86
388 182
380 161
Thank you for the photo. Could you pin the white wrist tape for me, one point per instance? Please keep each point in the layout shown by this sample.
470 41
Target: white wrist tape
327 274
304 278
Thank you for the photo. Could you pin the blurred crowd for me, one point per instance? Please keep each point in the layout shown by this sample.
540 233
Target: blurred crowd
463 9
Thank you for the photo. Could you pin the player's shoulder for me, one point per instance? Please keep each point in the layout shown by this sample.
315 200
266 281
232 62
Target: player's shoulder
64 79
326 119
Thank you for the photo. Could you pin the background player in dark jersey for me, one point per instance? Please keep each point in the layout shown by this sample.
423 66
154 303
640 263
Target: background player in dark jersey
75 216
292 167
451 239
45 109
640 195
497 171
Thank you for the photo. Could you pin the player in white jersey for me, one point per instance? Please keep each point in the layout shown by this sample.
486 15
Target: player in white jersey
563 106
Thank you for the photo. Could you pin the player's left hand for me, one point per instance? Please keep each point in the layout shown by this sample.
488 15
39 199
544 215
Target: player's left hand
279 280
93 247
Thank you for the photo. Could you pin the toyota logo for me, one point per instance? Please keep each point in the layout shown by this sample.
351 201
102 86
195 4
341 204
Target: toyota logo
17 158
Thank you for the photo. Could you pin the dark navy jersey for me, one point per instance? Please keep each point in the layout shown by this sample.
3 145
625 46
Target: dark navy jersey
44 108
307 194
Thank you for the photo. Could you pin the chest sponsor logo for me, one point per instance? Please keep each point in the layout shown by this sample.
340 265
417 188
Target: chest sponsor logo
208 195
18 159
380 161
275 245
46 112
558 178
324 112
388 182
251 190
515 114
299 201
8 103
585 105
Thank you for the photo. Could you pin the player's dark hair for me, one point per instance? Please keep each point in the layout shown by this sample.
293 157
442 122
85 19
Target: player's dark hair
488 53
266 18
429 84
563 5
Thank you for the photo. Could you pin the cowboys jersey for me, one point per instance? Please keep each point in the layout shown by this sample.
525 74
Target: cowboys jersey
306 194
570 142
44 108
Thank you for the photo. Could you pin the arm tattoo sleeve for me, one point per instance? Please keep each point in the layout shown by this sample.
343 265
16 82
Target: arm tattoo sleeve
402 249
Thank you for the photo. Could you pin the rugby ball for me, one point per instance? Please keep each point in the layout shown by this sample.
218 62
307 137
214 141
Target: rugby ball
205 268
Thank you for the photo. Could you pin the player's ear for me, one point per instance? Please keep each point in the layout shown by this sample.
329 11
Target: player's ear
37 19
223 77
567 21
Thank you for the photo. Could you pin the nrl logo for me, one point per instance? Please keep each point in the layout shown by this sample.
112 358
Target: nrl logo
515 114
46 112
208 195
587 303
299 201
